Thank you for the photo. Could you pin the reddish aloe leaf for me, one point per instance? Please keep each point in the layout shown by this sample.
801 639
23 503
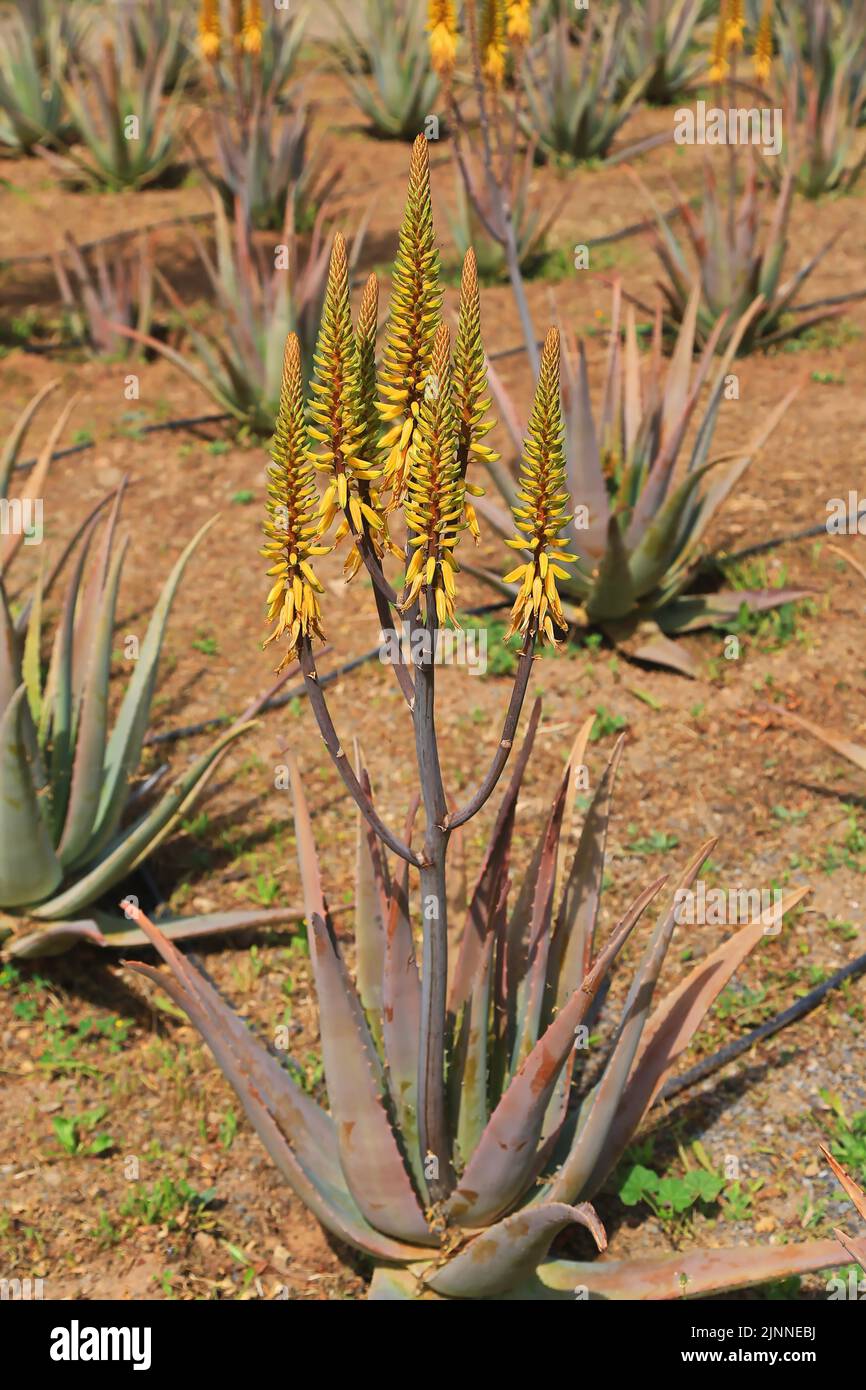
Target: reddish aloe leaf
574 932
854 752
588 1148
371 1161
487 889
401 1022
308 859
53 941
670 1030
506 1158
369 911
855 1192
690 1274
530 994
585 474
470 1060
661 651
510 1252
29 868
297 1134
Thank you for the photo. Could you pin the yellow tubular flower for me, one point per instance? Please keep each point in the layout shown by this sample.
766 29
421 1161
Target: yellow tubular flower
442 28
719 65
368 419
519 23
493 46
209 35
735 23
470 387
291 525
764 44
540 508
434 494
335 419
416 302
253 28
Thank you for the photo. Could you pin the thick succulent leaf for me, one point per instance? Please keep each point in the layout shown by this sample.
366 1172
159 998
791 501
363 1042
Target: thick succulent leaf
139 840
11 673
583 462
296 1132
369 1156
658 650
574 930
87 768
308 859
613 594
852 1189
508 1253
468 1072
670 1030
657 549
34 487
106 930
506 1158
401 1023
587 1151
29 868
493 870
854 752
124 745
369 912
15 435
691 1274
694 612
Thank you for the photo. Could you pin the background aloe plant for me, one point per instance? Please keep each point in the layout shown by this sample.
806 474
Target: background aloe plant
660 41
259 300
71 825
104 288
32 104
644 510
386 65
822 146
734 260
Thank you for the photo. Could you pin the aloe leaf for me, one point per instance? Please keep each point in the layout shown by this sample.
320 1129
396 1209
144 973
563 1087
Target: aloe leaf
852 1190
613 592
657 547
371 1161
15 436
670 1030
401 1023
11 673
124 745
107 930
588 1148
123 855
369 913
854 752
29 868
583 462
469 1064
87 770
509 1252
297 1134
52 941
693 612
31 665
690 1274
506 1158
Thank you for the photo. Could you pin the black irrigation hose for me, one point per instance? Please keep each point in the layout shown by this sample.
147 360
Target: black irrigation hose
803 1006
811 533
296 691
189 423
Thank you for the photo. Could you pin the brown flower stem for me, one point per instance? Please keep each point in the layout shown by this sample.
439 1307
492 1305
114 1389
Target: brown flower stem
432 1117
500 202
386 600
341 762
509 728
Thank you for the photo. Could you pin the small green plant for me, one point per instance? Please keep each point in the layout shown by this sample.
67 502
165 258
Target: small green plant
74 1132
165 1202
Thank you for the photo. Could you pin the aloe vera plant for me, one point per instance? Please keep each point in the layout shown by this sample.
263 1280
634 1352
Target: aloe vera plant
575 102
260 296
646 486
70 824
735 262
130 136
660 40
103 289
32 105
386 66
451 1153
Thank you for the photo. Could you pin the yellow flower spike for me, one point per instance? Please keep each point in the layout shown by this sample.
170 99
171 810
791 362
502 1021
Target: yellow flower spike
493 42
470 386
290 523
434 492
416 303
519 23
253 28
442 28
719 65
334 408
540 521
763 59
209 32
735 23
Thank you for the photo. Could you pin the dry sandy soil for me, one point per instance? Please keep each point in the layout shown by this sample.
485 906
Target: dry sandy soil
82 1033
